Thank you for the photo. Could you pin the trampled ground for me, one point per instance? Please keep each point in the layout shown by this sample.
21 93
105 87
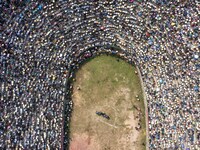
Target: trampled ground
109 85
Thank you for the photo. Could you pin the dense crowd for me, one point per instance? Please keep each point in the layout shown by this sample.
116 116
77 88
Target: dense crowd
42 41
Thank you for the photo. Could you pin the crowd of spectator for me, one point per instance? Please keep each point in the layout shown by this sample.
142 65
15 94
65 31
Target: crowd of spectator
42 42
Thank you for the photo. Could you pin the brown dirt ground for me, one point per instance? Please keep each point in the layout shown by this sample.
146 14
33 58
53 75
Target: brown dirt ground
92 132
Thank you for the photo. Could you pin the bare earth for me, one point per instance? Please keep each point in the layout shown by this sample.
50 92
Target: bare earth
113 95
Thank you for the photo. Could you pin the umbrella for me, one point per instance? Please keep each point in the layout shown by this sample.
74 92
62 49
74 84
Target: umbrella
196 88
196 56
161 81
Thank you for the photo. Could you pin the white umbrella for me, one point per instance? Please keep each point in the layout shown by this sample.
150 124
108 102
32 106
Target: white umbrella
196 56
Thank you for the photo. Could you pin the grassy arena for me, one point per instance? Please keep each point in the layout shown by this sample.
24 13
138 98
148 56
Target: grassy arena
110 85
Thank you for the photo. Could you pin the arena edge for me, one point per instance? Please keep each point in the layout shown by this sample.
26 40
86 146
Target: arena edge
81 59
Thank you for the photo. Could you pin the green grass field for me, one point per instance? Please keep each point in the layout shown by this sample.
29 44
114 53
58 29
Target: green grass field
110 85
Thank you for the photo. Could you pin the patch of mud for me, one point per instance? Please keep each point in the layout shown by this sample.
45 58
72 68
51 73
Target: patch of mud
77 99
131 123
83 142
86 75
125 92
